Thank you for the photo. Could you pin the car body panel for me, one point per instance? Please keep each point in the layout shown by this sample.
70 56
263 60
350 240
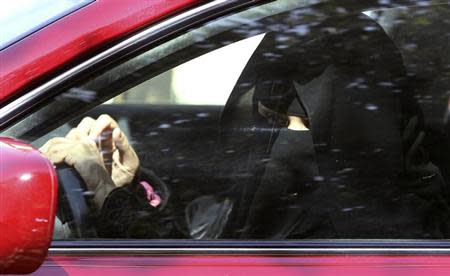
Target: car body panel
77 34
245 265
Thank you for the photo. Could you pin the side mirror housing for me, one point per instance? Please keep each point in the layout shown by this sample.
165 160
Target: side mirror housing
28 202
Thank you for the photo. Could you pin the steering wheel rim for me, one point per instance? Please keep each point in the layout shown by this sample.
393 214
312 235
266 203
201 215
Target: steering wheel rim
74 205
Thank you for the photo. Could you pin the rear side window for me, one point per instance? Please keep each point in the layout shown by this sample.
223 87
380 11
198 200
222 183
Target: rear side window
19 19
280 122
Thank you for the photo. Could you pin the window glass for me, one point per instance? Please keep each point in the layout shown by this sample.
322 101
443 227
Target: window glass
285 121
189 83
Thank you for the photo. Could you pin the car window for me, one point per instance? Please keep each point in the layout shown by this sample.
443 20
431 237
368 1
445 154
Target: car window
285 121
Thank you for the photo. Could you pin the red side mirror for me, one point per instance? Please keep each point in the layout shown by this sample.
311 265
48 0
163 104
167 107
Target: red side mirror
28 201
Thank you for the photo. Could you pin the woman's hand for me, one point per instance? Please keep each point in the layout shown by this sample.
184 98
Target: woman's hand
125 160
81 153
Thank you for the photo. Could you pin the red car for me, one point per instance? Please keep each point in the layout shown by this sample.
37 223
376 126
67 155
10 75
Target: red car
279 137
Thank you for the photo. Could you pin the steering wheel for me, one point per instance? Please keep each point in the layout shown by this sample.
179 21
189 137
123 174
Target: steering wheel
75 206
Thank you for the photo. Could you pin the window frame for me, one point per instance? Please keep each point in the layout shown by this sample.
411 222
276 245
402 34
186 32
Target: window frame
356 247
151 37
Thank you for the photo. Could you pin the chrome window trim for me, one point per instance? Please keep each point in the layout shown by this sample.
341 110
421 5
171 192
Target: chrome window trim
251 247
153 33
248 251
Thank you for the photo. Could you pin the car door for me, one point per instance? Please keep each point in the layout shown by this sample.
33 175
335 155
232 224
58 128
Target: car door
290 137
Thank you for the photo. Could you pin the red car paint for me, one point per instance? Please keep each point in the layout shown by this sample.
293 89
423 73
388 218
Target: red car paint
246 265
28 206
74 35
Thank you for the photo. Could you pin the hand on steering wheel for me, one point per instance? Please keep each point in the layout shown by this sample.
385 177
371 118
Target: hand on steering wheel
82 154
78 149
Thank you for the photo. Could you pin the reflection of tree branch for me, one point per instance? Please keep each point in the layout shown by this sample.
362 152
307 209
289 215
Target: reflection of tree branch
80 94
447 115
